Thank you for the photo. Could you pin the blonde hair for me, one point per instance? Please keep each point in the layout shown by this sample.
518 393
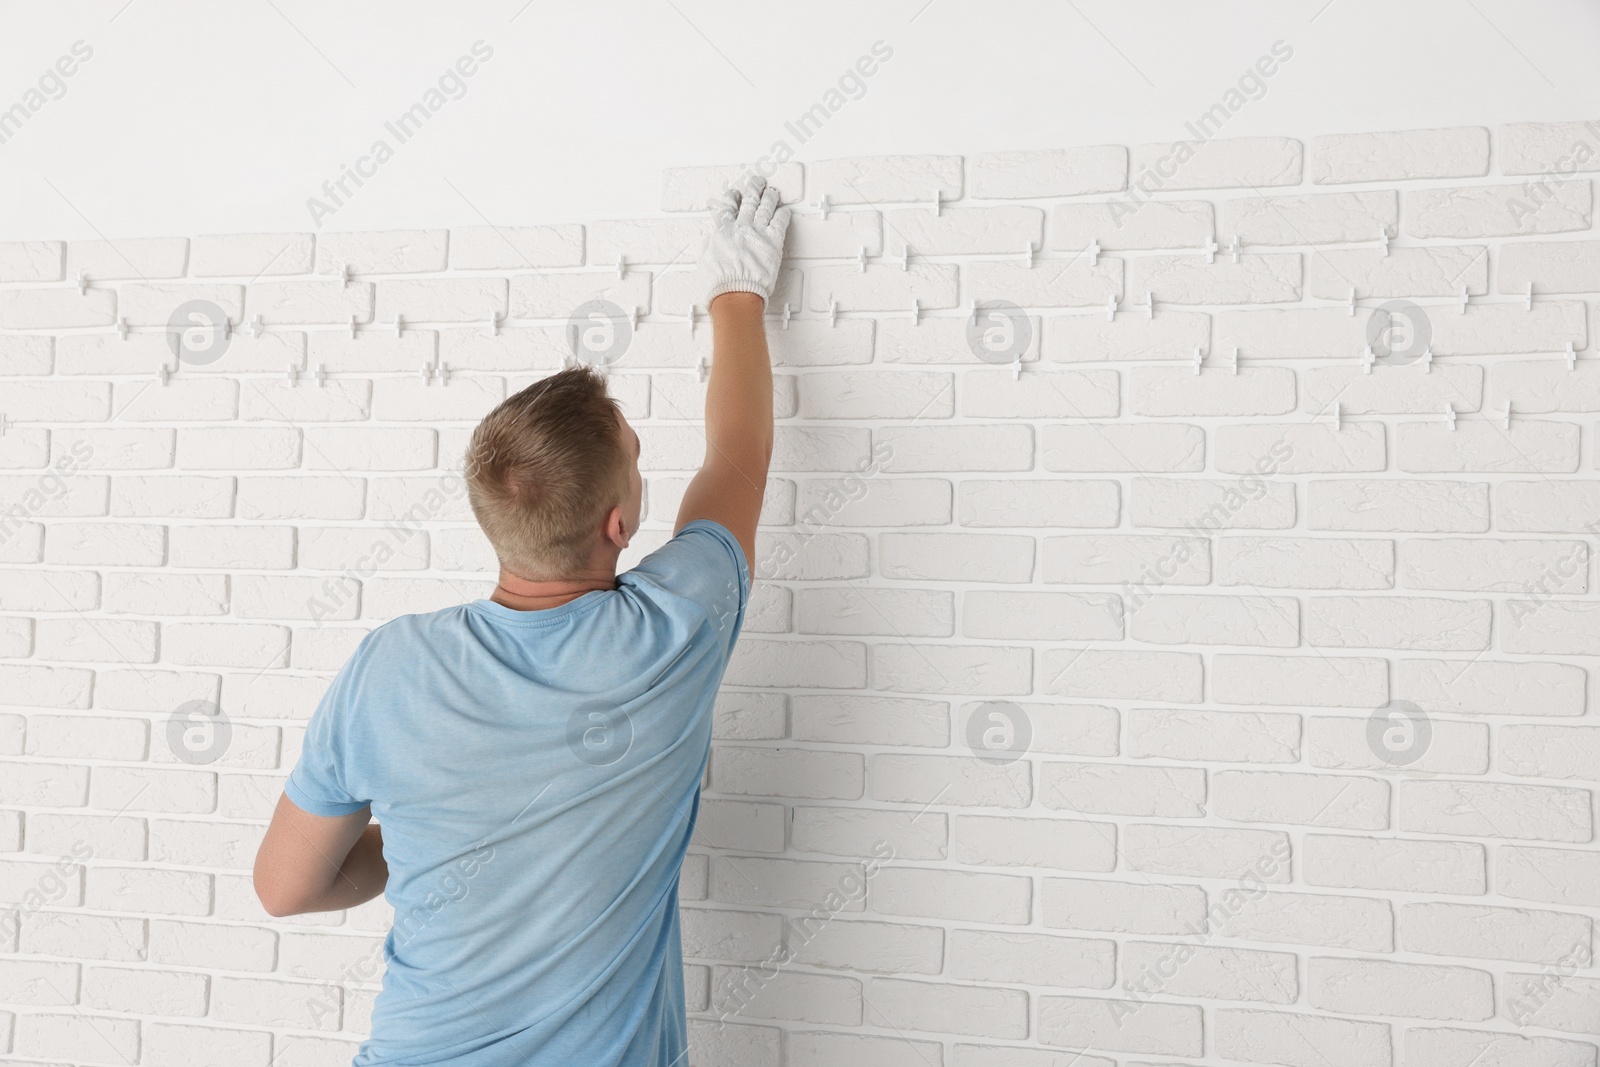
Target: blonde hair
543 470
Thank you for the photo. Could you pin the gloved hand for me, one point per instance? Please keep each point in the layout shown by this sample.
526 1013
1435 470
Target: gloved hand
745 247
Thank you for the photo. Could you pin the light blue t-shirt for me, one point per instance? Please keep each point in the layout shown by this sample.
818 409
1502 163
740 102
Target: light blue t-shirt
537 776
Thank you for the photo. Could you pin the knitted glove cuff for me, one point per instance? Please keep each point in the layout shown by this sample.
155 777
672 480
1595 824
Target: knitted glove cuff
738 285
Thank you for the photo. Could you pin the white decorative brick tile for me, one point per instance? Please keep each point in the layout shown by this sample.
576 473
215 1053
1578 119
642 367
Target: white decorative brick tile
1049 172
1456 152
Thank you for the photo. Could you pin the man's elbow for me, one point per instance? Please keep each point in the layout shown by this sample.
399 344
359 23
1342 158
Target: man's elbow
275 902
277 899
276 910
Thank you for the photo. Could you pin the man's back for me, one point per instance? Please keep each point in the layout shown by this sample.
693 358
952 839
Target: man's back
521 775
536 775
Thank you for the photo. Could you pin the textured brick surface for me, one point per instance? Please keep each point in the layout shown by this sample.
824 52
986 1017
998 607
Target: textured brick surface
1088 642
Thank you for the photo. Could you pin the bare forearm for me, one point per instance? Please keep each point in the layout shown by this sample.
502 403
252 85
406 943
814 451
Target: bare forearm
739 391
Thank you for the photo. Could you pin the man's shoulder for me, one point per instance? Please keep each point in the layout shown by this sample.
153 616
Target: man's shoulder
700 545
405 633
701 570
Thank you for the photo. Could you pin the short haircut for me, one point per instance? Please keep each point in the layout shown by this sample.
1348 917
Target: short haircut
544 469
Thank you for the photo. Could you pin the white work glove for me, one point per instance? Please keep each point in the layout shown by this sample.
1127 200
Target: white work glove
745 247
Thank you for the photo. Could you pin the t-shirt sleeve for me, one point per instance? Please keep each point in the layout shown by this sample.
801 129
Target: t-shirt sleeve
705 563
317 783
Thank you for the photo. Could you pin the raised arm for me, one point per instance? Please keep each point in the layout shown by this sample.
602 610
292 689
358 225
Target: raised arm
740 265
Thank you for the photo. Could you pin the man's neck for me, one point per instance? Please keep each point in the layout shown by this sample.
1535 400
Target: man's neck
522 594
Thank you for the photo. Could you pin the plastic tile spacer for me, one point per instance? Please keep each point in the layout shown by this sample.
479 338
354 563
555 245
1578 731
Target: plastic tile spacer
122 327
1027 255
822 205
1210 248
258 326
690 318
321 375
1530 296
622 265
1233 361
1366 359
494 323
1016 366
972 312
905 257
833 312
916 312
352 327
701 368
1234 248
1199 357
1111 309
1352 304
83 282
1383 240
1450 414
399 325
1572 357
1149 305
861 259
163 372
293 373
1505 416
1463 299
786 312
938 201
1093 250
344 274
1338 416
1427 360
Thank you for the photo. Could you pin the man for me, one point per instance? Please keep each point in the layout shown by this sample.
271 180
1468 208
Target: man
534 759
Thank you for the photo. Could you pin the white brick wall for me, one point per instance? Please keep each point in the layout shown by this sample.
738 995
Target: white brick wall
1051 736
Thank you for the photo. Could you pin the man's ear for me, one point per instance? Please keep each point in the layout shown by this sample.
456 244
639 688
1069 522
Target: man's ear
617 528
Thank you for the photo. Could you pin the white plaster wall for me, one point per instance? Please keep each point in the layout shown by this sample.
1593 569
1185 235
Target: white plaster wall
226 117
